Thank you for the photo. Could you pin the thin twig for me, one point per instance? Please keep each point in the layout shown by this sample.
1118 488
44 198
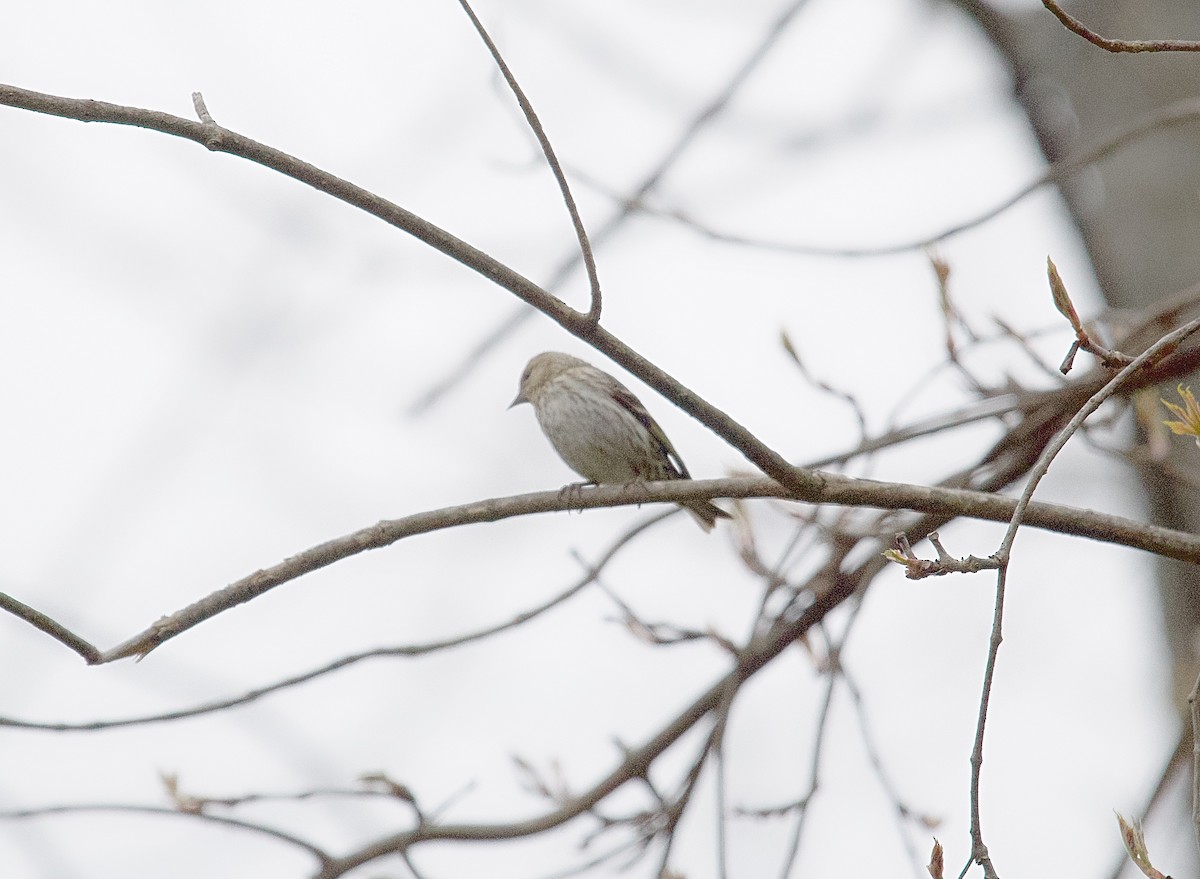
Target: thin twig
1110 45
1194 705
589 259
758 655
200 804
711 746
603 857
720 805
220 139
54 629
405 651
979 851
1178 112
20 814
629 206
789 348
814 784
904 813
1166 343
201 109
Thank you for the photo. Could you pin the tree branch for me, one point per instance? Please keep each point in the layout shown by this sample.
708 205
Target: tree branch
1075 26
699 123
756 656
591 573
219 139
585 248
1169 342
1178 112
120 808
835 489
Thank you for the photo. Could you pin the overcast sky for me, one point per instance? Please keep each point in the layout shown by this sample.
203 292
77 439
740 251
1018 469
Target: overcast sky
211 367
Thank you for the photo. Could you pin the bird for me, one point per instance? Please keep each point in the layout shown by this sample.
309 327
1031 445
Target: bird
600 428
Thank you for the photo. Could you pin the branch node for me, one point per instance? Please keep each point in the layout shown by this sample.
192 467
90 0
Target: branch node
1111 358
202 109
213 133
917 568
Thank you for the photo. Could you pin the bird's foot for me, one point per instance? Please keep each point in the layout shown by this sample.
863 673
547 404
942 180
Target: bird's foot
637 487
573 492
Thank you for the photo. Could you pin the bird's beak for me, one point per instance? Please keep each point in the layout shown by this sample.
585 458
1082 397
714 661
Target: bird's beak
518 400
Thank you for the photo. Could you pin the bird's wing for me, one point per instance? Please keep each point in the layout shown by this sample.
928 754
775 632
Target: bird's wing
626 399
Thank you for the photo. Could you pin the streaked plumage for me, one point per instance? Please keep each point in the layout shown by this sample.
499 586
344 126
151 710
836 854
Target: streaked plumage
600 429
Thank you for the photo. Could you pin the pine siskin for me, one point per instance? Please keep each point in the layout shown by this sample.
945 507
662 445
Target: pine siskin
600 429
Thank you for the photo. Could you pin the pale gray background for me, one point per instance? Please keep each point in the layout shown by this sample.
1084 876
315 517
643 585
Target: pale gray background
209 367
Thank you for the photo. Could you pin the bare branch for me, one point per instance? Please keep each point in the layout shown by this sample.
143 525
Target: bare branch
789 348
220 139
55 630
1194 706
1109 45
918 568
1185 110
202 109
1167 343
119 808
758 655
979 851
904 812
801 806
630 204
406 651
835 489
200 804
589 259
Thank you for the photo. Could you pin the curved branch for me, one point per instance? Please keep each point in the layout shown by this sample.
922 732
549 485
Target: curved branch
53 628
979 850
636 762
407 650
1075 26
219 139
1166 343
835 489
585 248
1185 110
698 123
225 821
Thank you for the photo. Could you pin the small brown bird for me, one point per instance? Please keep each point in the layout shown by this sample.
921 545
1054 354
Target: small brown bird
600 429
